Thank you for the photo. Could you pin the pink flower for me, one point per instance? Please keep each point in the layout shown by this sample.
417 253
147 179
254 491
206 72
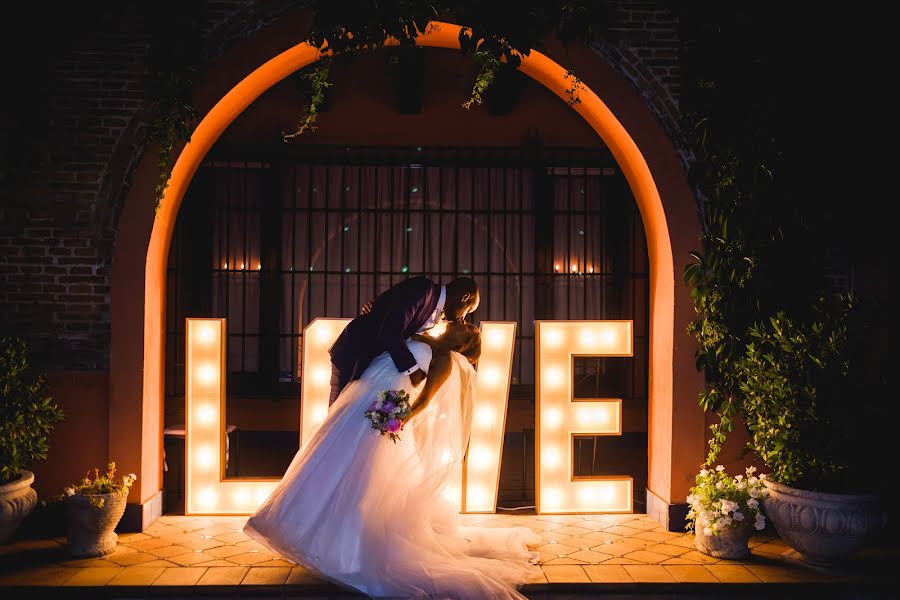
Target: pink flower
393 425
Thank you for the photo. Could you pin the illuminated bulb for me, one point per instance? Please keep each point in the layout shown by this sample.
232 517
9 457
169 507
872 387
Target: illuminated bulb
240 496
551 458
590 269
491 376
552 417
495 338
609 337
319 414
242 266
556 268
206 457
225 266
206 334
552 497
553 377
583 416
601 416
206 374
484 416
574 268
606 494
480 458
323 334
206 414
476 495
321 375
207 497
587 495
552 337
587 337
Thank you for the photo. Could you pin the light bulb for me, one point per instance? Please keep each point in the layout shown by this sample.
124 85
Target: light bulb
319 414
551 457
479 457
552 417
552 337
207 497
206 333
321 375
205 457
206 414
553 377
491 376
495 338
207 374
484 416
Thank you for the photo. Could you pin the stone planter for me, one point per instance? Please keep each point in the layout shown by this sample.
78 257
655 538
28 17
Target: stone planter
90 530
822 527
731 543
17 500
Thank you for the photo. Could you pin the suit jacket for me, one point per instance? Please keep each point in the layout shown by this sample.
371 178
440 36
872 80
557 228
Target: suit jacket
396 314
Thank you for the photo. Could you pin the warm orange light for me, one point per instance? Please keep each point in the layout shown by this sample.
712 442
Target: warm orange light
481 473
319 336
557 342
574 268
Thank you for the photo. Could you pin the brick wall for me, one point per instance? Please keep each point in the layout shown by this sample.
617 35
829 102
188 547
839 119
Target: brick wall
57 229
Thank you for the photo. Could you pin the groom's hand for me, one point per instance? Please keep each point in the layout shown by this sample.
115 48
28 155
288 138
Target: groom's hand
416 377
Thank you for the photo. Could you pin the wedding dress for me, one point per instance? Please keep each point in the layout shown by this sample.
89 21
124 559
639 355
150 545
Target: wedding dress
379 516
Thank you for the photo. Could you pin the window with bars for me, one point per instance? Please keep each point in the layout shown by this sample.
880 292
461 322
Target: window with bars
274 242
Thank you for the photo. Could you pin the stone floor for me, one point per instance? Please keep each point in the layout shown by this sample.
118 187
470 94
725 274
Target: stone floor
583 555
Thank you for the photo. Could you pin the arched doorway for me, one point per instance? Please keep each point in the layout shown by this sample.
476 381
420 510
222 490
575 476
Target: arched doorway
673 456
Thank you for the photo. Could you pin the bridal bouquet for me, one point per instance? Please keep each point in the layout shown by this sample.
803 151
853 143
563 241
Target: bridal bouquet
388 412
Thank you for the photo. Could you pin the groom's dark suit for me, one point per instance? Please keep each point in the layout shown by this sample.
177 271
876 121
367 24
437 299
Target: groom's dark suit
396 314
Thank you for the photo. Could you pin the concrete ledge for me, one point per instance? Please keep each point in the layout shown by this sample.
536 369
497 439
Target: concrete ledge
671 516
139 517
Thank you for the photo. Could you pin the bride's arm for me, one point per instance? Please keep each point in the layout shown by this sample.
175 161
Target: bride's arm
438 372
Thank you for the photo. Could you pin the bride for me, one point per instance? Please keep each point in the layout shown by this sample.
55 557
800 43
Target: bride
383 517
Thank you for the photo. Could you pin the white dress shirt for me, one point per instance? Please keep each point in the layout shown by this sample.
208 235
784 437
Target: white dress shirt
431 322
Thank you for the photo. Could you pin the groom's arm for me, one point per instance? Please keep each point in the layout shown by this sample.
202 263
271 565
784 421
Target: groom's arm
393 333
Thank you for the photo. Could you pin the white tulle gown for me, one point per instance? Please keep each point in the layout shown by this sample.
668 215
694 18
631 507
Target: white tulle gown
373 515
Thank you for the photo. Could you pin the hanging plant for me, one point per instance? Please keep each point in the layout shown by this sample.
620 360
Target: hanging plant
496 33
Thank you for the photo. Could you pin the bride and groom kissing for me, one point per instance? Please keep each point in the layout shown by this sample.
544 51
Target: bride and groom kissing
376 516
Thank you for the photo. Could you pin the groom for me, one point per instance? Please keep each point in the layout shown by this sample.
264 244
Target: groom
411 306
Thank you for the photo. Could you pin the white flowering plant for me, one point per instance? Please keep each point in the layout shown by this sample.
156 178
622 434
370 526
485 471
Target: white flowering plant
719 501
101 484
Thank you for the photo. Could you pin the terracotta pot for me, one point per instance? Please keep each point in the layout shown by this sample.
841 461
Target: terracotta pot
823 527
90 530
730 543
17 500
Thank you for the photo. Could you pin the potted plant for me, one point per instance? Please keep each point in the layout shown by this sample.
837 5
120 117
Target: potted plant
725 511
27 415
93 509
810 411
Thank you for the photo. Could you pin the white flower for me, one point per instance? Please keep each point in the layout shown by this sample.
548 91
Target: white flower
728 506
760 522
720 485
751 470
753 481
754 492
738 477
740 485
738 516
720 468
753 503
132 476
763 476
703 472
723 522
70 491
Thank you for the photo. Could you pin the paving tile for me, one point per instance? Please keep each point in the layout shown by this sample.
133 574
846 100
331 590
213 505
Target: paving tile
127 538
300 575
233 537
776 548
649 573
141 575
589 556
218 562
623 530
224 551
679 561
691 574
699 557
564 519
733 574
252 545
158 563
607 574
602 536
781 574
191 558
275 562
656 536
135 558
95 576
223 575
171 550
644 524
84 563
565 560
266 576
565 574
646 557
573 530
623 547
686 541
214 530
44 576
555 537
249 558
558 550
149 544
180 576
667 549
618 560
